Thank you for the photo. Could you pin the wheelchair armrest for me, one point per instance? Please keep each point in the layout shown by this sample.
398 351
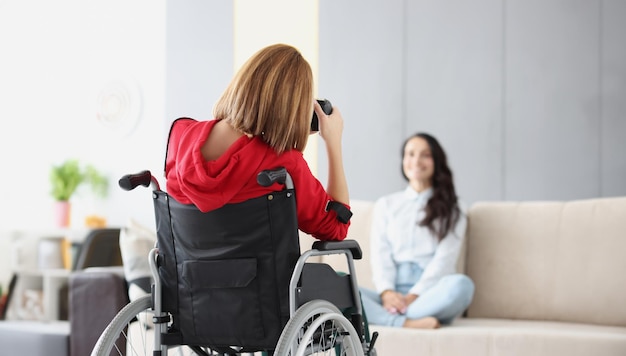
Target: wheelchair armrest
351 245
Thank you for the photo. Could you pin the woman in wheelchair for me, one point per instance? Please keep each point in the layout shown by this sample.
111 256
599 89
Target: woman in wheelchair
262 121
228 274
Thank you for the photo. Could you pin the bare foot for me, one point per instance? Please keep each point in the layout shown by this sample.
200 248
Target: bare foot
428 322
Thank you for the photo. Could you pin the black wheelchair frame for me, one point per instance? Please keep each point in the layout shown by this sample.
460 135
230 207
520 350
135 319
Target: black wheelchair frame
207 279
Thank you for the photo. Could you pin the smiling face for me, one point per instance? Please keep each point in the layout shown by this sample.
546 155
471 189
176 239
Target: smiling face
418 164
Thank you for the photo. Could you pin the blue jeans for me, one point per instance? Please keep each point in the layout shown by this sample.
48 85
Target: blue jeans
445 300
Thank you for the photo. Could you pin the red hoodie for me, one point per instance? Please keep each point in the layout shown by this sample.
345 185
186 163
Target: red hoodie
232 177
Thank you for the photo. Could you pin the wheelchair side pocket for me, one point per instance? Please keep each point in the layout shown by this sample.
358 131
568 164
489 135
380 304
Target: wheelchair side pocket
224 298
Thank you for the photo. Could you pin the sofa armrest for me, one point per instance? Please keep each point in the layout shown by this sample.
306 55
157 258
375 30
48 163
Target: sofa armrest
96 295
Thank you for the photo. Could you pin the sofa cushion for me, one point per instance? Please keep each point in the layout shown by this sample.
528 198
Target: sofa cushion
136 241
491 337
560 261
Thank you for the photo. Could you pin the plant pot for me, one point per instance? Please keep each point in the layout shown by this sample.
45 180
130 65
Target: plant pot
62 213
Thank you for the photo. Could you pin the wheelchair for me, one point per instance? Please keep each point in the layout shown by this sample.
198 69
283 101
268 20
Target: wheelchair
232 281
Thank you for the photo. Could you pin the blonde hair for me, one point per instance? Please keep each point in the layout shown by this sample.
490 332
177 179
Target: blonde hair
271 96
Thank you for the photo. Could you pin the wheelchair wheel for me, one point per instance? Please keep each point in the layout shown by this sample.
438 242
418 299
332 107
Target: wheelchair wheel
319 328
132 328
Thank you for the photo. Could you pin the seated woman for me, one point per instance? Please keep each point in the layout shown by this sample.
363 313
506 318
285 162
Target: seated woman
416 237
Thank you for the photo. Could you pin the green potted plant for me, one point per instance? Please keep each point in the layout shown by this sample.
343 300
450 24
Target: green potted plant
66 178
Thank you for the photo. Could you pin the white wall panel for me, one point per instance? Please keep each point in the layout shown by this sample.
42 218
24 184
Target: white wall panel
453 88
199 56
552 99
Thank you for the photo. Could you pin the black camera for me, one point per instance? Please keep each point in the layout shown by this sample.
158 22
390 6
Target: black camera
327 107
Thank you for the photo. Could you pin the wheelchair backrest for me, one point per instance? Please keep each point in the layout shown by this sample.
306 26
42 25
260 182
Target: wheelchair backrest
225 273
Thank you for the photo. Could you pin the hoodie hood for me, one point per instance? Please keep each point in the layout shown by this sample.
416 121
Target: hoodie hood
208 184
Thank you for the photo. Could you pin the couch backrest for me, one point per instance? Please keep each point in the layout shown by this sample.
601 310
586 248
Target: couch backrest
360 226
559 261
359 230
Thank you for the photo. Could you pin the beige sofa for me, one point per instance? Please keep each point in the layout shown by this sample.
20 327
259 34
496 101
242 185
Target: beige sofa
550 280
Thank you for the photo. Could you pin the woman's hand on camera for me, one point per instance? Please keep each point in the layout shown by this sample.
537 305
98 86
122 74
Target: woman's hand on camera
331 126
331 129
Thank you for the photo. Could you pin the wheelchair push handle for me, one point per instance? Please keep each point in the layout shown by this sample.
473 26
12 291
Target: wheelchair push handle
264 178
131 181
277 175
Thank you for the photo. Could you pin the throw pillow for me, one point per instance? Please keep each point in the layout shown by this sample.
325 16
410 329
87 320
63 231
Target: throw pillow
136 241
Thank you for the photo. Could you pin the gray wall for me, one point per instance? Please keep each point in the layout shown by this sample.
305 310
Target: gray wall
527 97
613 98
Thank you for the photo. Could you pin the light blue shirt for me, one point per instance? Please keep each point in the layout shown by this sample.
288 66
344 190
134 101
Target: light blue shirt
397 237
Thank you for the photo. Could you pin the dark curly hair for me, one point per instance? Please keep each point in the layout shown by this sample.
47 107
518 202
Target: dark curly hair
442 209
